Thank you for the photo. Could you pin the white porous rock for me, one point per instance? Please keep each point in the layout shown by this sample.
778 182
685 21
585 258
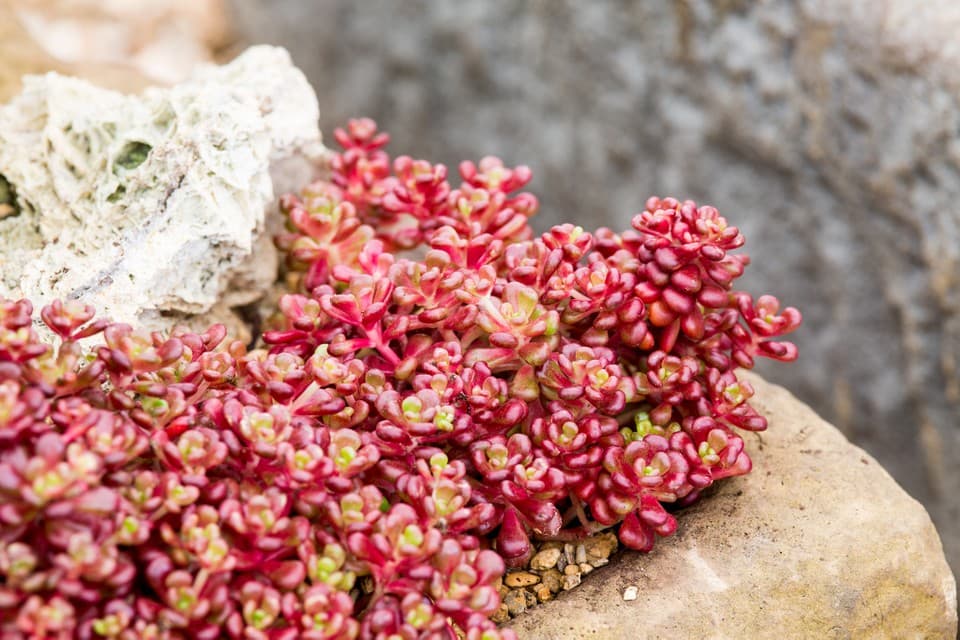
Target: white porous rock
152 207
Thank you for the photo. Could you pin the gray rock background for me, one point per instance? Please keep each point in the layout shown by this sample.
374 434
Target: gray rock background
828 130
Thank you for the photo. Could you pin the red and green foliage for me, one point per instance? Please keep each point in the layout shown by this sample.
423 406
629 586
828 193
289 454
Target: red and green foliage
442 386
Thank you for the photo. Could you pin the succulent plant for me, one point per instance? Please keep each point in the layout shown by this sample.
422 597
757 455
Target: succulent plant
440 387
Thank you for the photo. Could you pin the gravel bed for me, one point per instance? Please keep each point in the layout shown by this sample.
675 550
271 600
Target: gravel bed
555 567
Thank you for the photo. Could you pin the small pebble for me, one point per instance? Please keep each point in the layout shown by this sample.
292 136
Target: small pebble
545 559
501 615
552 579
585 568
518 579
581 555
599 562
571 570
571 581
568 553
630 593
544 593
600 546
516 602
530 598
562 562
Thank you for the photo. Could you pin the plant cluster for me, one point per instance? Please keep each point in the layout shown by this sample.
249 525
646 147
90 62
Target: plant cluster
442 386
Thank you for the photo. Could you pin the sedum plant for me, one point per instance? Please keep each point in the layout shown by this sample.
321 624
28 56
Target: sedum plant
440 387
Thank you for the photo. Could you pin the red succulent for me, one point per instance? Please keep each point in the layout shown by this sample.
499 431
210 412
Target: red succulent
414 423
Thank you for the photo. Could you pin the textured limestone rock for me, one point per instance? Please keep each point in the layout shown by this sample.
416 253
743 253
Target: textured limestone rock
817 542
828 129
150 207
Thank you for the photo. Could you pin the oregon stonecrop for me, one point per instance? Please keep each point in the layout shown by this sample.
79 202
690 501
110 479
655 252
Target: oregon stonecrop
440 386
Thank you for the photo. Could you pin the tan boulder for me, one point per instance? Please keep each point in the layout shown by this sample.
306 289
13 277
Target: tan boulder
161 40
817 542
23 55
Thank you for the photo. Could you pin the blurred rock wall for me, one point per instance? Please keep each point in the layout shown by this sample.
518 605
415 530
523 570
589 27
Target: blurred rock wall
828 130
